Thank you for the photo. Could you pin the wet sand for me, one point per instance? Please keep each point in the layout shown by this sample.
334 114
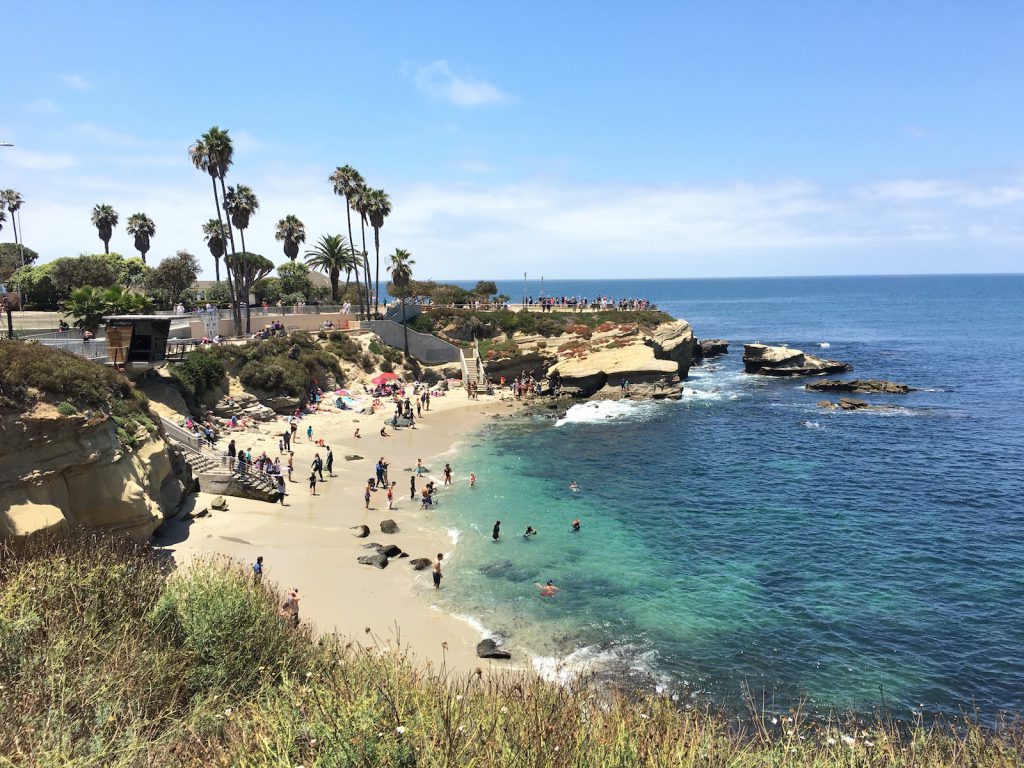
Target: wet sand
310 543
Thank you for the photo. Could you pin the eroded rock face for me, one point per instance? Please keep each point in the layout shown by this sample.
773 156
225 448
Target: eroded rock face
784 361
674 341
62 473
863 386
706 348
611 367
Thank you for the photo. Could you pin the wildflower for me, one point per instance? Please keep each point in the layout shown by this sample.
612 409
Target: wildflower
309 675
831 740
459 697
400 730
848 740
503 710
556 747
775 721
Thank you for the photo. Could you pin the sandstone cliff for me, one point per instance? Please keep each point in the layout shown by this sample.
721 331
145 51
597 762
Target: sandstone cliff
63 472
784 361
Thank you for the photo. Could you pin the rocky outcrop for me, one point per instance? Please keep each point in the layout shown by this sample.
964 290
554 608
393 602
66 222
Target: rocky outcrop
62 473
862 386
533 364
236 484
853 404
612 367
488 649
705 348
783 361
674 341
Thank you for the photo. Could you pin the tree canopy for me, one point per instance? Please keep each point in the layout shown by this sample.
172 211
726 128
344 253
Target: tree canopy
10 259
167 281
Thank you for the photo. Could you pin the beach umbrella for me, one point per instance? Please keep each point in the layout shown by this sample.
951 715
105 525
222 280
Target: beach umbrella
341 391
383 378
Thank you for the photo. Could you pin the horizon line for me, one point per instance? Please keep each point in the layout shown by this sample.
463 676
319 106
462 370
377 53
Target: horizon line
733 277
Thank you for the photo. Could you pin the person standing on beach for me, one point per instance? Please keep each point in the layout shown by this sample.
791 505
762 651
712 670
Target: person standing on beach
291 467
412 487
280 490
420 469
496 531
329 464
286 438
309 433
366 494
447 474
391 496
312 483
257 570
379 471
232 452
437 570
318 466
293 427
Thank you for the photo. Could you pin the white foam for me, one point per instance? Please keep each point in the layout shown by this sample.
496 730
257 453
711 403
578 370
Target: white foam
454 534
598 411
824 345
564 669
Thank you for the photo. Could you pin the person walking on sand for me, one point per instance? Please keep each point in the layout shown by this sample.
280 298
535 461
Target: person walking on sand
447 474
309 433
257 570
329 464
366 494
312 483
280 490
412 487
391 497
318 466
291 468
437 570
420 469
496 531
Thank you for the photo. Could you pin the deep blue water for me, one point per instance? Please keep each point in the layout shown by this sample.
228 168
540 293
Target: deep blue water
745 538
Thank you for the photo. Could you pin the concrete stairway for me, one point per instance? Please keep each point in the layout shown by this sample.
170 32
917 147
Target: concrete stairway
210 468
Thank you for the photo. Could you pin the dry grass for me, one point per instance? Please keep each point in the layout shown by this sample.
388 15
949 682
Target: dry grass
108 659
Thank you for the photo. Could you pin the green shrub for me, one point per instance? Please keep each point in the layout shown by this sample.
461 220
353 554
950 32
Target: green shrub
200 372
66 409
366 362
376 347
387 366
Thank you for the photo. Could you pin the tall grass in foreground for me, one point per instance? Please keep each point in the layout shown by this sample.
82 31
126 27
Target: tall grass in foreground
108 659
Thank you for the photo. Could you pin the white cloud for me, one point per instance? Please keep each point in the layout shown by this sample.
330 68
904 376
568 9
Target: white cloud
77 82
439 82
35 161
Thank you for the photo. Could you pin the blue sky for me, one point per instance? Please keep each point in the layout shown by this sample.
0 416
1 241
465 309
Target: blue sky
572 139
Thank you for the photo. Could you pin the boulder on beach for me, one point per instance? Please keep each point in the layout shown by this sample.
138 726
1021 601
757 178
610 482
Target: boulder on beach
488 649
863 386
353 457
784 361
377 561
420 563
388 526
361 531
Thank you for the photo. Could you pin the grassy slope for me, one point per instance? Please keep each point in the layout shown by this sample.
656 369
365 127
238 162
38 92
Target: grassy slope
105 660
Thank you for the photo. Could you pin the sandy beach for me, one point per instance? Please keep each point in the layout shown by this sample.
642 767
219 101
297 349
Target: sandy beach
310 544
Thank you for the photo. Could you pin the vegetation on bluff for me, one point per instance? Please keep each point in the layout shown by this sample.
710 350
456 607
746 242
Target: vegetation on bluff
107 658
33 373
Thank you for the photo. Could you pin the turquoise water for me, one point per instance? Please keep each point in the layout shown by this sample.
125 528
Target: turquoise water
744 538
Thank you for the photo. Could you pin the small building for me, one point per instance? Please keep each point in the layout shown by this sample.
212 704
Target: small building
138 340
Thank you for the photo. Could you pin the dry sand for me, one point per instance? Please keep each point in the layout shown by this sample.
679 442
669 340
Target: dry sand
310 544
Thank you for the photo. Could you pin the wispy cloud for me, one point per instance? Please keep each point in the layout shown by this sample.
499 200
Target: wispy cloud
437 80
36 161
78 82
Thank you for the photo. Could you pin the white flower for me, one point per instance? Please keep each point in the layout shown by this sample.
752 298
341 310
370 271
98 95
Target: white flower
849 740
503 710
831 740
400 730
556 747
459 697
775 721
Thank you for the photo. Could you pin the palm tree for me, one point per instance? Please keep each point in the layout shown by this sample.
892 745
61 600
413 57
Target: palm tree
104 218
332 255
141 227
13 200
360 201
346 182
216 236
378 208
401 274
213 154
292 232
240 203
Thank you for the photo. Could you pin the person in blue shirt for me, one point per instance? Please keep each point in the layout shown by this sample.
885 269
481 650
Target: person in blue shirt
257 570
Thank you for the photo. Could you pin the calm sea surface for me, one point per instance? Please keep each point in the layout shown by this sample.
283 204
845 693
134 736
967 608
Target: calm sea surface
744 538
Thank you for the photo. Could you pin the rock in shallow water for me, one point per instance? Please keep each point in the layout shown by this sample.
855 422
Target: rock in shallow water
783 361
488 649
420 563
378 561
866 386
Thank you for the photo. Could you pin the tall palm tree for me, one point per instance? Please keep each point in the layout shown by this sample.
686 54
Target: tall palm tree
142 228
213 154
332 254
360 201
216 236
240 203
104 218
13 200
401 274
346 182
292 233
378 208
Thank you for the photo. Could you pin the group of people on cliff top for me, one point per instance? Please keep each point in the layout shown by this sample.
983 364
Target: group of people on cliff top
581 303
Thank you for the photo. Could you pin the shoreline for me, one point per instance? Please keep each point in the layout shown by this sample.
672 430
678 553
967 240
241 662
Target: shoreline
309 543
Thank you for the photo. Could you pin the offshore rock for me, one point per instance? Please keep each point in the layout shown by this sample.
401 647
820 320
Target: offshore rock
863 386
784 361
674 341
710 348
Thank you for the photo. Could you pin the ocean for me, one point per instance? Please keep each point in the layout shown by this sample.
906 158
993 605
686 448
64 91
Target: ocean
744 542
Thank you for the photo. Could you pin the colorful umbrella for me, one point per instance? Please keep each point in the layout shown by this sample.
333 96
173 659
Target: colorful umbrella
384 377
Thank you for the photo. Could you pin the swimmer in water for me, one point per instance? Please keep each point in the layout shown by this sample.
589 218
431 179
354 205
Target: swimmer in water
547 590
530 532
472 480
576 525
573 487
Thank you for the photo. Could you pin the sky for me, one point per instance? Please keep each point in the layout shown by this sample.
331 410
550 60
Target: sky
571 140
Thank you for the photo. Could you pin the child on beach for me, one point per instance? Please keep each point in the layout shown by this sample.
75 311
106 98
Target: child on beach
391 496
447 474
309 433
312 483
366 495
